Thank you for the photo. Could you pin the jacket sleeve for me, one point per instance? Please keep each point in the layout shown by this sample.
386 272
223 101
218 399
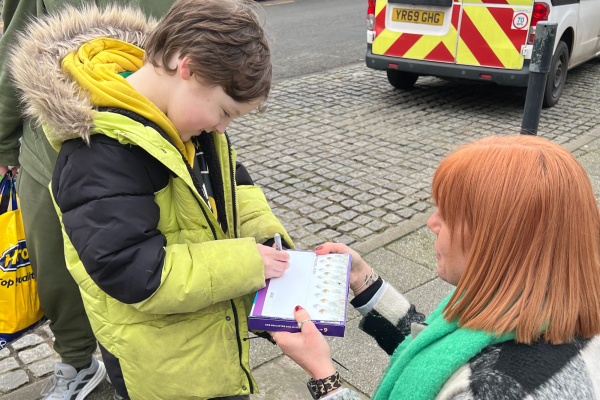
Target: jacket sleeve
387 315
15 15
256 218
106 195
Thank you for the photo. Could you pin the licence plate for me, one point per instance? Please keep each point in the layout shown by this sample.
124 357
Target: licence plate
418 16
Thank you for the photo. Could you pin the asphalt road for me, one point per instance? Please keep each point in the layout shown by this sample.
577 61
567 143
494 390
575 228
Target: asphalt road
310 36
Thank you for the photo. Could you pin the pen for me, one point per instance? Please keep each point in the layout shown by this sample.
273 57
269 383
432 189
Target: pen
278 245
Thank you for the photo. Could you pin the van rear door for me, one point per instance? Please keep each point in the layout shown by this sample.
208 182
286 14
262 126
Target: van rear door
489 33
492 32
421 30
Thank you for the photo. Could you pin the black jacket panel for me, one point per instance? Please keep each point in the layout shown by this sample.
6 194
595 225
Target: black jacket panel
106 195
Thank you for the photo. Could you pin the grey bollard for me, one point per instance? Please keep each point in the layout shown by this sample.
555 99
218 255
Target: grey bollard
541 59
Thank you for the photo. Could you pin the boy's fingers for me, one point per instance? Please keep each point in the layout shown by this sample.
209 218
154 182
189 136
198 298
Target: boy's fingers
282 256
279 255
280 265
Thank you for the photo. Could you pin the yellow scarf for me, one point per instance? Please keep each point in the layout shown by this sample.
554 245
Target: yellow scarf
96 67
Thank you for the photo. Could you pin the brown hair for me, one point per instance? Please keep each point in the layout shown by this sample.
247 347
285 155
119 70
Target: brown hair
534 228
224 40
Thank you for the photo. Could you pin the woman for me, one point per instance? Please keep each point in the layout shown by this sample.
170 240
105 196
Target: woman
518 234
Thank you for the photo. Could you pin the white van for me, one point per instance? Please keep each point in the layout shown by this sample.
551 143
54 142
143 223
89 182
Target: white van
482 40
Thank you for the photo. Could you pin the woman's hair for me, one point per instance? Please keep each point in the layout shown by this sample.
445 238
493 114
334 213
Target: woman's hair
532 221
226 44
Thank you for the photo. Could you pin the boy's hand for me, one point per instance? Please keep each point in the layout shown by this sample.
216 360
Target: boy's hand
276 262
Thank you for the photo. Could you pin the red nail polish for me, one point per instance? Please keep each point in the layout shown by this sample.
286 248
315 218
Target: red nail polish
298 308
319 248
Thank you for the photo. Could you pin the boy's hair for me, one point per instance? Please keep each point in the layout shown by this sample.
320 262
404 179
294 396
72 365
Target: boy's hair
224 40
532 220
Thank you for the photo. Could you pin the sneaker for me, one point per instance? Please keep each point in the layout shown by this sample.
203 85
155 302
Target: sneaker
68 384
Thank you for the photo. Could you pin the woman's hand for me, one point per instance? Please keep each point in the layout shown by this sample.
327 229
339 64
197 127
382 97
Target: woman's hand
308 349
276 262
359 270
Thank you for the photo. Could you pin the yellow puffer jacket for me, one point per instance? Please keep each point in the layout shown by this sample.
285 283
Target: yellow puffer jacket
166 286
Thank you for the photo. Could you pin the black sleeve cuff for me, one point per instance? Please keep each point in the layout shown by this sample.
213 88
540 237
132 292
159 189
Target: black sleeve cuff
367 295
271 242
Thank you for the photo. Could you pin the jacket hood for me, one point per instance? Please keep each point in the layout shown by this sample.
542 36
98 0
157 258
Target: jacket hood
48 92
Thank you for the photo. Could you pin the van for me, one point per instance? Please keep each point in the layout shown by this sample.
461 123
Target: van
478 40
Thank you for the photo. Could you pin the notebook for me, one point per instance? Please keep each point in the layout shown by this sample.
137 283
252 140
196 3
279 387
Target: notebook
317 283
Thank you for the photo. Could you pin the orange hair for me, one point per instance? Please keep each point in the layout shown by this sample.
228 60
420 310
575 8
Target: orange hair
534 228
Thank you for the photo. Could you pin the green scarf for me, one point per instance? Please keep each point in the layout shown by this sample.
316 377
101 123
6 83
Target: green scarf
420 367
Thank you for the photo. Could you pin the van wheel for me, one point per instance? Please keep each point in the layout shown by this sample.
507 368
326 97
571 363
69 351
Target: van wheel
401 79
557 75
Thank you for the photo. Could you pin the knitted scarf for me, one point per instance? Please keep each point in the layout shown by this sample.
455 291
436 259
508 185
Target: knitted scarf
419 368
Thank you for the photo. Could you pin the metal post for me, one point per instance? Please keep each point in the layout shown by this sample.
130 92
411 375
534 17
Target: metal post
541 58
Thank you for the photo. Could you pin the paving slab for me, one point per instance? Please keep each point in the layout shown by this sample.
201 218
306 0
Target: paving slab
595 181
27 341
13 380
591 163
284 379
8 364
428 296
29 392
358 352
280 379
417 247
262 351
402 273
43 367
36 353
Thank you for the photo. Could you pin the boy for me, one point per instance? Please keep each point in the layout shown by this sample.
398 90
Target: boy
160 227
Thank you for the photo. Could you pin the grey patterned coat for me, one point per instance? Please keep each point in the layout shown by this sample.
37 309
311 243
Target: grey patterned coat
506 371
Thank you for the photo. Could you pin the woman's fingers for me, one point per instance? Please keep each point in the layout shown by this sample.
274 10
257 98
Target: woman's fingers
303 317
308 349
337 248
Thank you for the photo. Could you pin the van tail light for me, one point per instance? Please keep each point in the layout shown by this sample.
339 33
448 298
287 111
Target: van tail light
370 21
540 13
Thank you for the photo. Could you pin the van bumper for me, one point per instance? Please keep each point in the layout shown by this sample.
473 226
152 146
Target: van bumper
505 77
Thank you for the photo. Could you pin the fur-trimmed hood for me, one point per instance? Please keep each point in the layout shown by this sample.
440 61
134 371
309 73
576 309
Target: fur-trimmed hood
47 92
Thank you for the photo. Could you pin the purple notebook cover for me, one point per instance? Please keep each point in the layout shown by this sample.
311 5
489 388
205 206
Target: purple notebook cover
256 321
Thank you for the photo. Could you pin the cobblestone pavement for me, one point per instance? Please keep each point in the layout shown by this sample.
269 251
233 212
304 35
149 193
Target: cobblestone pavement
28 359
342 156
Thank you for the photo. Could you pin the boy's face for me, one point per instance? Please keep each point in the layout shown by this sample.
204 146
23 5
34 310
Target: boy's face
195 107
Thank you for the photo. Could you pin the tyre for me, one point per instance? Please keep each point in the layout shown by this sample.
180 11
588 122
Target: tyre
557 75
401 79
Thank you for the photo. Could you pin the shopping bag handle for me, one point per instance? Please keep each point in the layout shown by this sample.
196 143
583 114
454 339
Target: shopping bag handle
4 201
8 191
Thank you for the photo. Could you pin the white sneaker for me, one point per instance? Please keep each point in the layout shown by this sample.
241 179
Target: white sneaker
68 384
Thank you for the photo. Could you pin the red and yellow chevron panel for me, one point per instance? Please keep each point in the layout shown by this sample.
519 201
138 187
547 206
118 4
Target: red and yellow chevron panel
418 47
482 36
487 39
